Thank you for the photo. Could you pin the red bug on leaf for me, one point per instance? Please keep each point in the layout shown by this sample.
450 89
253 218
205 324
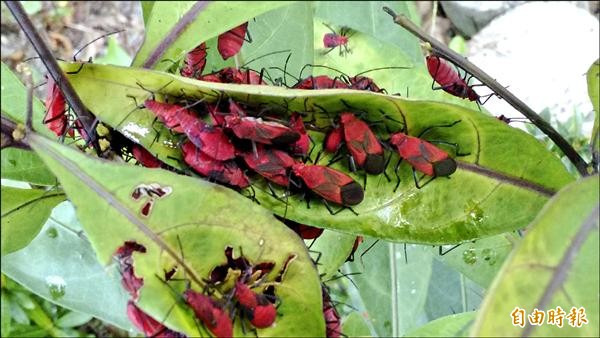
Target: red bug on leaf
357 241
56 118
265 132
364 83
272 164
320 82
230 42
212 315
333 323
362 144
234 75
331 184
224 172
333 40
167 113
423 156
144 157
195 62
148 325
300 147
304 231
262 312
334 139
450 81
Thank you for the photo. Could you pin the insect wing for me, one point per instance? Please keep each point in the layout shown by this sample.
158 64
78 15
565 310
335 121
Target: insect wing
230 42
56 118
195 62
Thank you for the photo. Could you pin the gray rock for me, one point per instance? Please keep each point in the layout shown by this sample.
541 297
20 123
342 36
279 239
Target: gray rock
541 50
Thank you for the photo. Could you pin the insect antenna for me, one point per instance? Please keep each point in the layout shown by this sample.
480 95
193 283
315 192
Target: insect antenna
96 39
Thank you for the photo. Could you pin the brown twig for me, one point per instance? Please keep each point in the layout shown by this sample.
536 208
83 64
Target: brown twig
83 114
8 139
440 49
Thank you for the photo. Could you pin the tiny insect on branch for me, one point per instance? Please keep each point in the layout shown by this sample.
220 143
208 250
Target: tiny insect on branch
49 61
501 91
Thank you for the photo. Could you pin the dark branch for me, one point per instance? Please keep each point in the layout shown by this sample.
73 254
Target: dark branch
440 49
83 114
185 21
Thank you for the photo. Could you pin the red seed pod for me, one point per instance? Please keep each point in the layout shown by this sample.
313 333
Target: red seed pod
195 62
331 184
300 147
230 42
144 157
210 313
334 139
263 316
56 118
423 156
449 79
255 129
362 144
320 82
224 172
271 164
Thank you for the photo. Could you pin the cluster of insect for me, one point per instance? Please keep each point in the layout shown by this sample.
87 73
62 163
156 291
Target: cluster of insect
234 290
234 144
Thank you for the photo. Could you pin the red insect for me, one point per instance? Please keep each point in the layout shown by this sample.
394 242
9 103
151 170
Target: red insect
272 164
148 325
357 241
364 83
304 231
362 144
320 82
333 323
195 62
56 118
333 40
262 311
215 319
224 172
423 156
230 42
255 129
332 185
234 75
300 147
144 157
212 141
334 139
449 79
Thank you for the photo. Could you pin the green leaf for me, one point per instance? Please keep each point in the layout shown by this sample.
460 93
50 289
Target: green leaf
188 228
331 250
213 19
26 166
73 319
24 212
556 264
480 261
458 44
31 7
147 7
500 186
13 101
593 80
354 325
115 54
61 266
450 326
369 18
5 317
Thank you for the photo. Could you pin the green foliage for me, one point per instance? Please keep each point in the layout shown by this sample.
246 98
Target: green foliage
505 178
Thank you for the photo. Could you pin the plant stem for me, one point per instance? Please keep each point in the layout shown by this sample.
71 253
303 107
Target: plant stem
440 49
83 114
183 23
